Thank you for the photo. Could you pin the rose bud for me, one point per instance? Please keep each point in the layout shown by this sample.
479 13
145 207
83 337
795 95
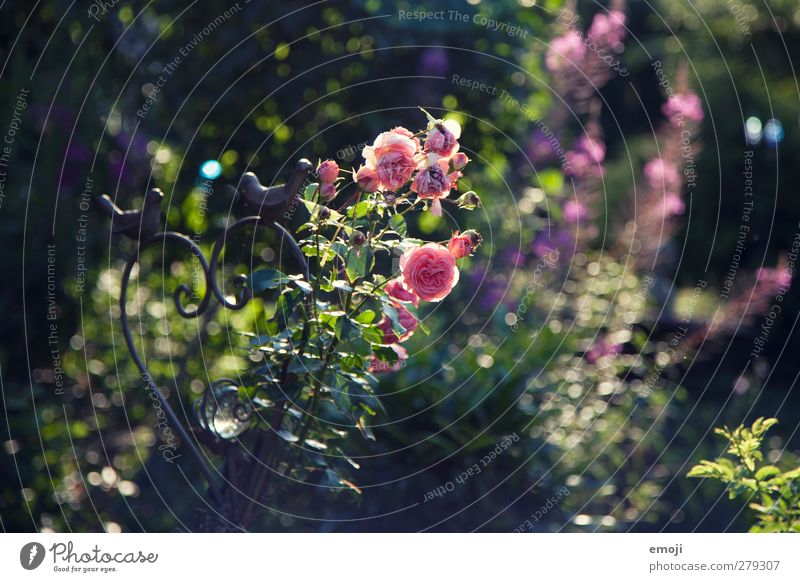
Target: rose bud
357 238
367 179
324 213
460 160
463 245
328 171
469 200
328 191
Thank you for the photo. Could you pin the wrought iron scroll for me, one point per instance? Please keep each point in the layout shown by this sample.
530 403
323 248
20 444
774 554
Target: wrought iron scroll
180 296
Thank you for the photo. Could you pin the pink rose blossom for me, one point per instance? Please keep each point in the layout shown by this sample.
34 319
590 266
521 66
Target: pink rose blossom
406 319
433 183
430 271
683 106
367 179
460 160
442 138
328 171
565 51
392 157
398 292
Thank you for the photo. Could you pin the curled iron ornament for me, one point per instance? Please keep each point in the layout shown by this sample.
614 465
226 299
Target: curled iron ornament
180 298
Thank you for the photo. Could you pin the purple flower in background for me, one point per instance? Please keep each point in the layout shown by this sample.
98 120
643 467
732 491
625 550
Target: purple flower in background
682 107
433 62
540 149
548 241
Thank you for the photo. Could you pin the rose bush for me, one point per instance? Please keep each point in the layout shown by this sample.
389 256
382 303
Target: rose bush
328 335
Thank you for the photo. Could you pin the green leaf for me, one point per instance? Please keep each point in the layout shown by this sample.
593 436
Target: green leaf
767 472
310 190
361 209
346 330
359 262
398 224
342 286
339 394
366 316
305 364
301 283
266 279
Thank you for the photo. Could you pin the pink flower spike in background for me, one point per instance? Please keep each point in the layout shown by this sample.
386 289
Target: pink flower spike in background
565 52
662 174
429 271
682 107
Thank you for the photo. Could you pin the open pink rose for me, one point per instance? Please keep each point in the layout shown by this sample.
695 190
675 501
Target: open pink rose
442 138
398 292
433 183
392 157
429 271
